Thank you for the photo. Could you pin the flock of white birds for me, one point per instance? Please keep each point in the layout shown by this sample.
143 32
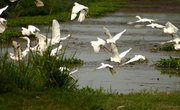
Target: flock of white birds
108 45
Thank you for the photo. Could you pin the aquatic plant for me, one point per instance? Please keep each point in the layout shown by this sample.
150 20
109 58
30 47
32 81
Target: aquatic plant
167 47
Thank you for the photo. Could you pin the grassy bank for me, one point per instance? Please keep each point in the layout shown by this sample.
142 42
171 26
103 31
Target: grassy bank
88 99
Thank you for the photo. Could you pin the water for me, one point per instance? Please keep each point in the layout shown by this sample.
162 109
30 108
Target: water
130 78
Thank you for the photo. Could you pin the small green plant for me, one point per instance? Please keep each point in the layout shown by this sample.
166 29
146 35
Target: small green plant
167 47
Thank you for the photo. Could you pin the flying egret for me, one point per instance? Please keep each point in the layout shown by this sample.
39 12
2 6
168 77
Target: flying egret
97 44
3 9
70 73
56 34
155 25
135 58
170 28
31 30
105 65
39 3
79 8
177 46
115 38
143 20
3 25
56 50
42 45
13 0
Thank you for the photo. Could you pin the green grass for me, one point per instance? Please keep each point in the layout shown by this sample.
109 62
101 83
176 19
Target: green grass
88 99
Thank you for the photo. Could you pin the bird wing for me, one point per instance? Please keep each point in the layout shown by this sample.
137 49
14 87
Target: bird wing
3 9
135 58
117 36
123 54
56 33
170 25
82 15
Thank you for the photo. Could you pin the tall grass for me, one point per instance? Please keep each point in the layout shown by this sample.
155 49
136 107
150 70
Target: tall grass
37 72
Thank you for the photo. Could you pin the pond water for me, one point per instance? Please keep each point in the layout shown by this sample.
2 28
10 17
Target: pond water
129 78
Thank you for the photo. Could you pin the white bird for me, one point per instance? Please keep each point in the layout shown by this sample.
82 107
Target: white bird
56 50
13 0
26 51
103 65
97 44
177 46
123 54
155 25
170 28
3 25
42 45
56 34
39 3
31 30
115 38
143 20
70 73
79 8
17 51
3 9
110 67
135 58
116 57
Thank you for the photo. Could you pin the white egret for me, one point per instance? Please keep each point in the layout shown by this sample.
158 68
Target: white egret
115 38
65 69
143 20
13 0
39 3
56 50
177 46
170 28
155 25
42 45
79 8
56 33
105 65
135 58
97 44
31 30
3 9
3 25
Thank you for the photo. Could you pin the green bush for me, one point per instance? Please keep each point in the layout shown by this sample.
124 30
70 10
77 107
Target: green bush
37 72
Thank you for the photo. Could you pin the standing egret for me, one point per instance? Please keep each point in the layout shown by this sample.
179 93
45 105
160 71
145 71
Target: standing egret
42 45
79 8
135 58
97 44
